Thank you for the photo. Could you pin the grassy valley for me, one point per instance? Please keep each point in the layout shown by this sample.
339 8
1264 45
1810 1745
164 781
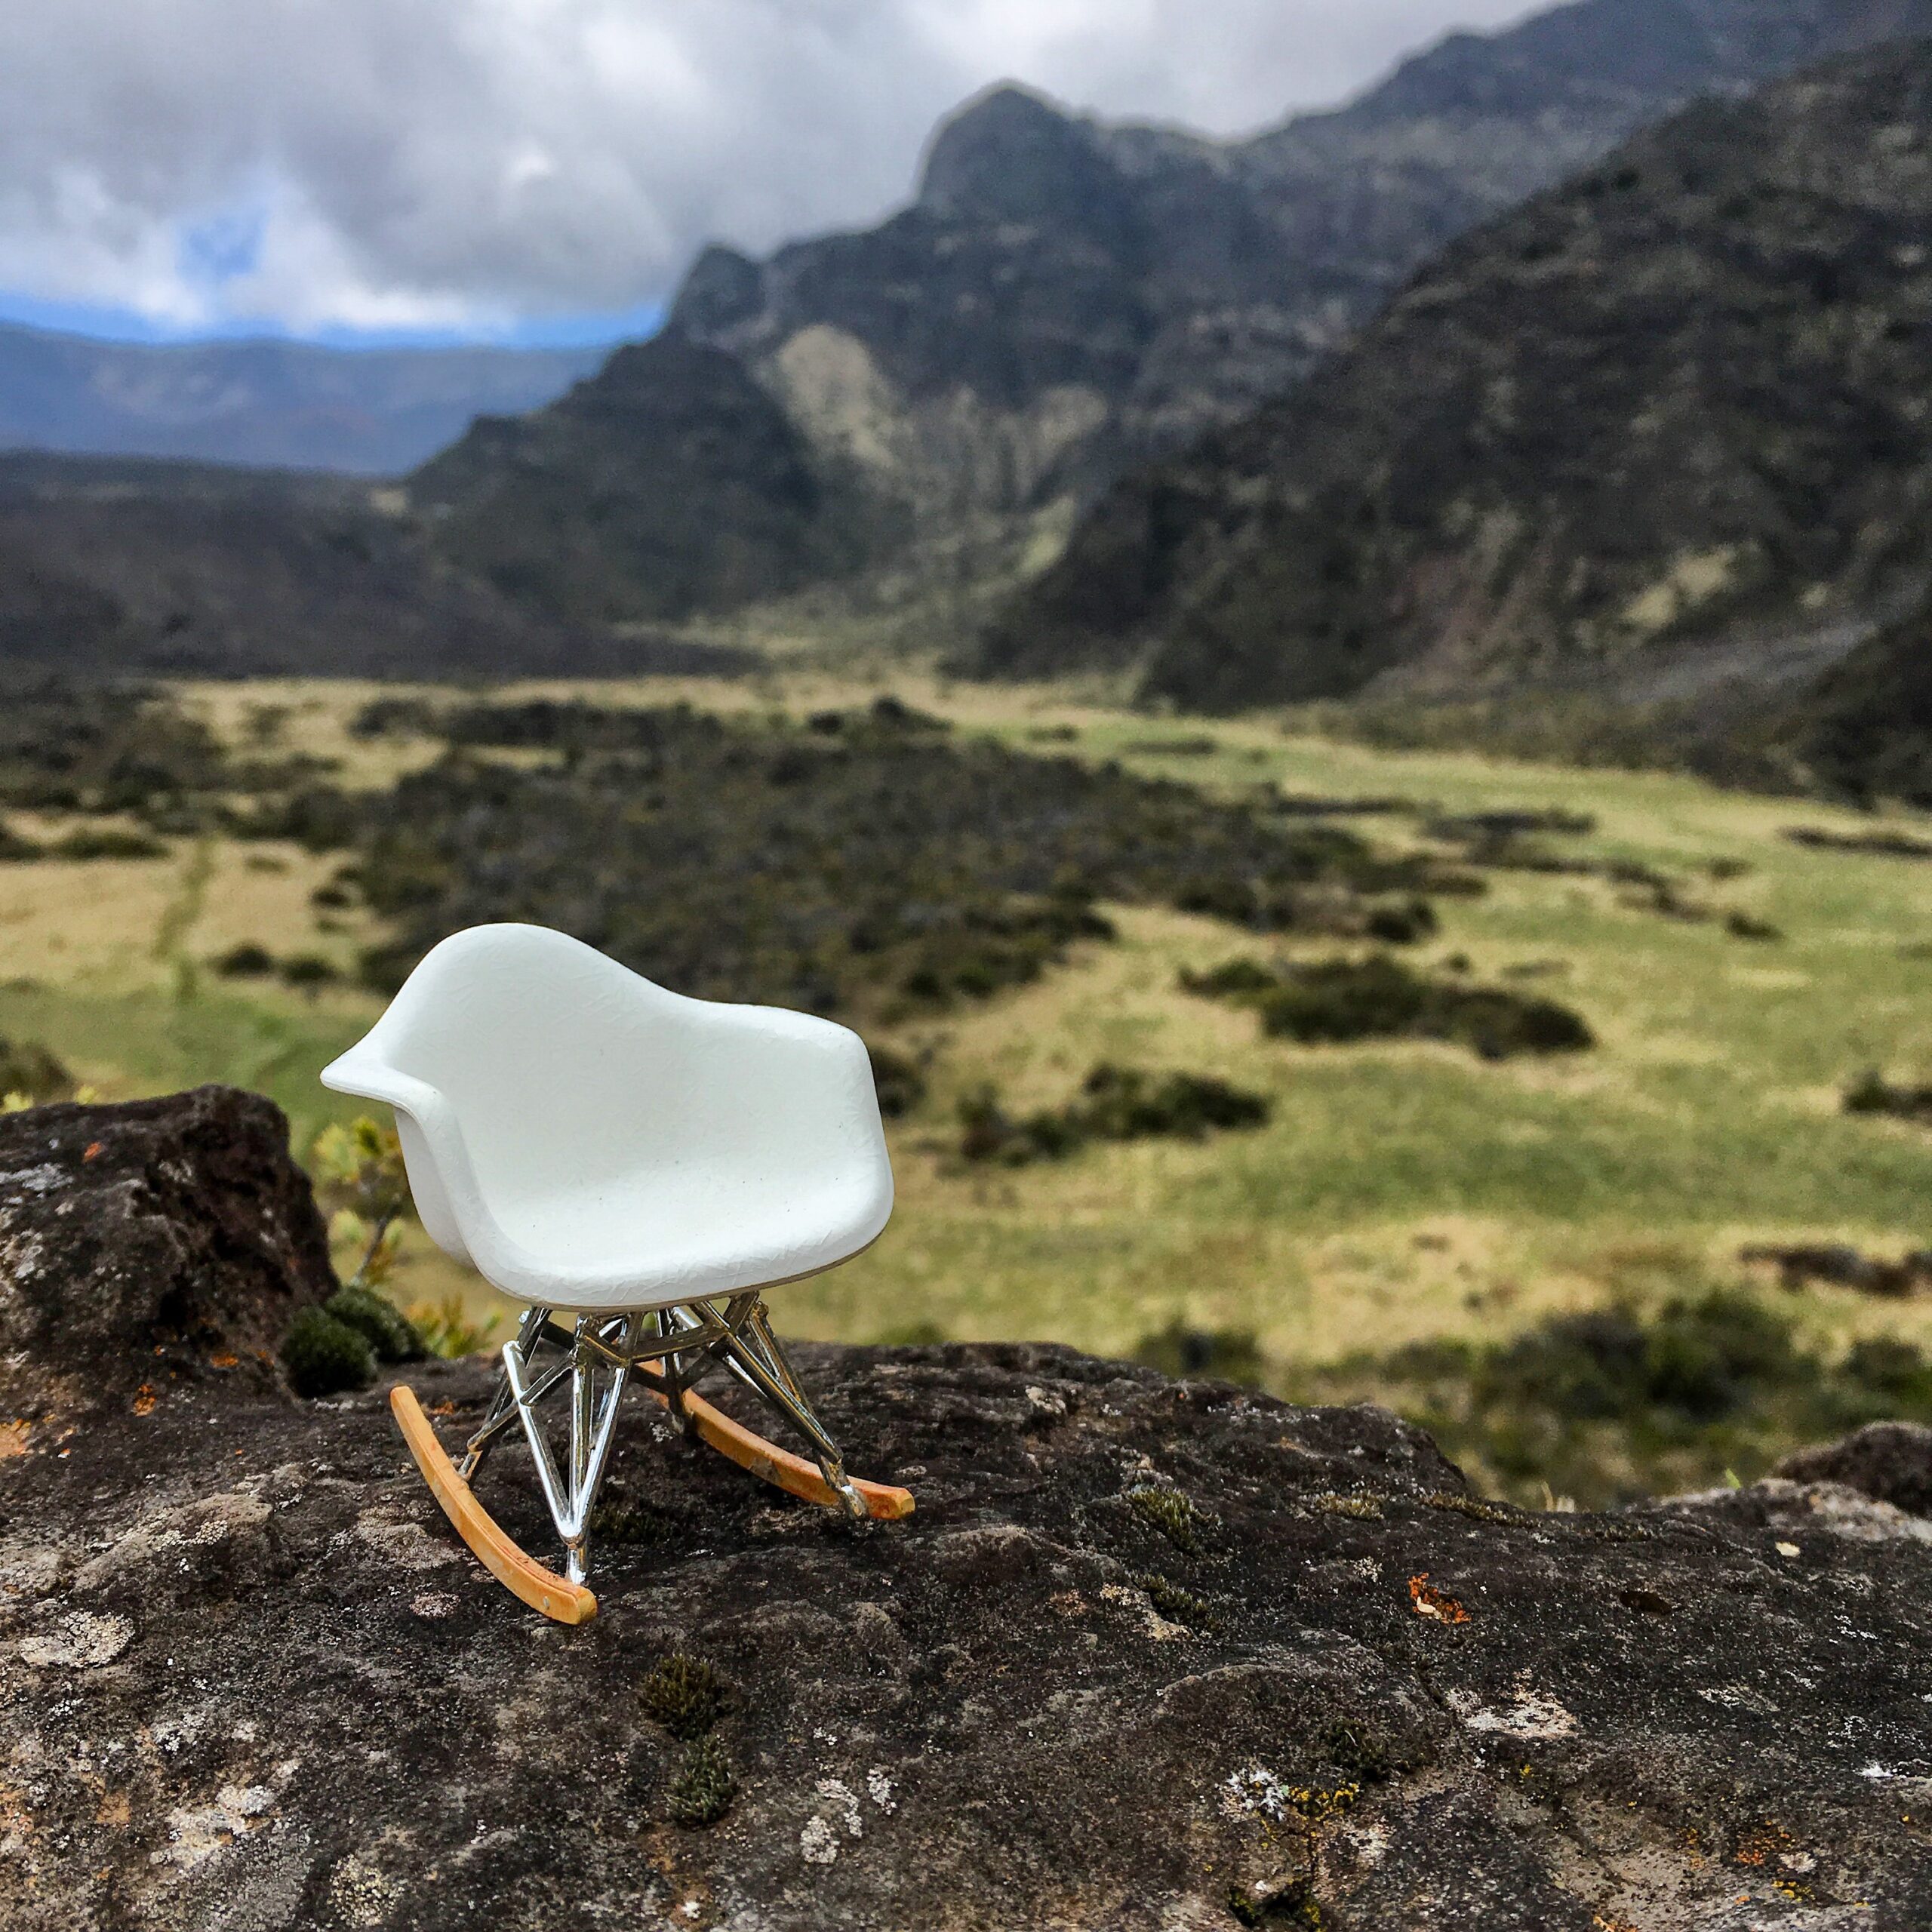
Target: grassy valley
1410 1209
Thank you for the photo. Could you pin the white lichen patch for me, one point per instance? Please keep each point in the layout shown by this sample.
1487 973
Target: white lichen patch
408 1545
196 1833
879 1788
819 1843
433 1604
1048 1401
844 1803
363 1895
1528 1713
198 1525
1254 1792
79 1641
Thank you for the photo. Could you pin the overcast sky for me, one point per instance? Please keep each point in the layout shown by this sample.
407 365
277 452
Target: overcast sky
547 168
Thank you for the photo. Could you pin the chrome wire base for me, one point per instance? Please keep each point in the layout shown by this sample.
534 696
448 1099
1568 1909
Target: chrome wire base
587 1368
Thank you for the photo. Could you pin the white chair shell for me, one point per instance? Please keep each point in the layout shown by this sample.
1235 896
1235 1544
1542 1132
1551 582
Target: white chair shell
589 1140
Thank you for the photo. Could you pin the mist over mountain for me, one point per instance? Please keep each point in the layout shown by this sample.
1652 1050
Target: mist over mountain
1062 300
1662 431
283 404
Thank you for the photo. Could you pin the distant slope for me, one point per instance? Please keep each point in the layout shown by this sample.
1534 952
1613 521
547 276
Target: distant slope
285 404
1865 729
1682 399
1062 299
113 567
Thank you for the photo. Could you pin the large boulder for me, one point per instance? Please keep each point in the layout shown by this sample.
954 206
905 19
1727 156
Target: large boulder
149 1242
1150 1655
1891 1461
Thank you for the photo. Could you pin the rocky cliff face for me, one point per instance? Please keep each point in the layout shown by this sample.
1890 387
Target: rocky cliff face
1675 401
1062 299
1150 1654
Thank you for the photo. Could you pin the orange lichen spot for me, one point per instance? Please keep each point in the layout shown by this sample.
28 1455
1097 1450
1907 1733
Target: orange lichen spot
14 1438
1758 1847
93 1150
224 1360
441 1409
144 1400
1429 1601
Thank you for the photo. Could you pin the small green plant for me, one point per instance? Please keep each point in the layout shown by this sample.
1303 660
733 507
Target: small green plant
703 1786
1172 1512
325 1357
447 1329
364 1180
389 1333
684 1694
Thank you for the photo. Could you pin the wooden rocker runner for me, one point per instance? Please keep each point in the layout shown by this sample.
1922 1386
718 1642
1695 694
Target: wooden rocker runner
559 1116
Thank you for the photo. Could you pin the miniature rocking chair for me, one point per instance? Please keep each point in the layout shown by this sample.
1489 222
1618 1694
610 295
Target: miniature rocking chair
635 1168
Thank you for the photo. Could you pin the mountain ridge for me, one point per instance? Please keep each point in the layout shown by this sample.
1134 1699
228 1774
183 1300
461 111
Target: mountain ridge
1064 299
263 402
1669 401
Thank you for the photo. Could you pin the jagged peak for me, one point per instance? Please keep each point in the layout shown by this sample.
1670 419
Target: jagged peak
1004 153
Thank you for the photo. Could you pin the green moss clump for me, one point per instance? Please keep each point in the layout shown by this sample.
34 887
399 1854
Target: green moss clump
684 1694
1364 1509
1353 1747
1172 1512
1472 1505
703 1786
390 1334
1178 1605
323 1356
619 1518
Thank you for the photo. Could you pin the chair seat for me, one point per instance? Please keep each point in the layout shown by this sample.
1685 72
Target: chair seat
656 1239
589 1140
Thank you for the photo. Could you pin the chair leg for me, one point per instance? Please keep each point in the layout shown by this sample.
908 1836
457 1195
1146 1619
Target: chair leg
753 1353
598 1366
503 1400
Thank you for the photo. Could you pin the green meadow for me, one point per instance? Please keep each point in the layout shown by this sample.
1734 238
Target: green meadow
1403 1193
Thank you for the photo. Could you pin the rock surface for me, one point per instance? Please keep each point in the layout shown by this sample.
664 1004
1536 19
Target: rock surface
1150 1654
148 1243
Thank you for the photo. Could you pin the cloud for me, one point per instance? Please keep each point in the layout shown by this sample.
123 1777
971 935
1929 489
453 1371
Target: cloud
392 164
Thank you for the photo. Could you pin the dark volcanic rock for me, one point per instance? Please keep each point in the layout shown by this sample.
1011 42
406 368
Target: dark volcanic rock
1891 1461
147 1243
1150 1654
